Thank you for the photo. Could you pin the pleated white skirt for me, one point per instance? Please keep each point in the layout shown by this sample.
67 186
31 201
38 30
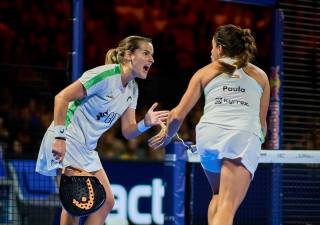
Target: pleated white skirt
215 143
76 155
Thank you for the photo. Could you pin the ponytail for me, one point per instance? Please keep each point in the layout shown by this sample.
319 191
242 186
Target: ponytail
228 65
111 57
250 48
130 43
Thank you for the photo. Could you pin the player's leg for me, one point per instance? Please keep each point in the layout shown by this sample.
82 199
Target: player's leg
65 217
99 217
214 181
234 183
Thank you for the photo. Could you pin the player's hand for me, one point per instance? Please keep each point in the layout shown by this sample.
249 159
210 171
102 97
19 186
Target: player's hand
59 149
159 140
153 118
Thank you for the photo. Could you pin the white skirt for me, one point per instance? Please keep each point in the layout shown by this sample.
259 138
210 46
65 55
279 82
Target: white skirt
76 155
215 143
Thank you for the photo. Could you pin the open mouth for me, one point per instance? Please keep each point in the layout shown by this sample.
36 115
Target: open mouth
146 68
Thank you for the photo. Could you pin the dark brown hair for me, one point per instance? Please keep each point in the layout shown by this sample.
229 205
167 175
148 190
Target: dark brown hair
236 43
131 43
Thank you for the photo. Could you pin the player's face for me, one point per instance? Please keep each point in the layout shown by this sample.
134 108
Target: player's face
142 59
214 51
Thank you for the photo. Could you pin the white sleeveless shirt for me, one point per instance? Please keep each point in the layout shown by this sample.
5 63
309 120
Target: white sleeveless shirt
233 102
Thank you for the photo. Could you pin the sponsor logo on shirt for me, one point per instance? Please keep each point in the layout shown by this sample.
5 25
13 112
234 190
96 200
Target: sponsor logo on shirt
108 117
233 89
222 100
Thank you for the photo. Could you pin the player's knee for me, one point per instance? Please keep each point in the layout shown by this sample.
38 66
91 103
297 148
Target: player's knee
109 203
67 218
106 208
227 205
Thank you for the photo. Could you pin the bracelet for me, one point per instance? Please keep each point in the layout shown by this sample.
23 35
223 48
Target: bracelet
142 127
60 131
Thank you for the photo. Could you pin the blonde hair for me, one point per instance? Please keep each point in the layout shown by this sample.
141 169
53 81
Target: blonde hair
131 43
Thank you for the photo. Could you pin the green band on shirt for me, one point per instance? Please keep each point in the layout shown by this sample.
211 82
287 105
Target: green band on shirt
102 76
71 110
96 79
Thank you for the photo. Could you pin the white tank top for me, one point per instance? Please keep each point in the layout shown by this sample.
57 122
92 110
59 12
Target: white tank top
233 102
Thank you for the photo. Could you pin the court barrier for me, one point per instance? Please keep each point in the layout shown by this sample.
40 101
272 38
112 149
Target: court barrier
284 191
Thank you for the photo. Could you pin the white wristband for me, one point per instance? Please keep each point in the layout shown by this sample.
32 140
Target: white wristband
59 131
142 127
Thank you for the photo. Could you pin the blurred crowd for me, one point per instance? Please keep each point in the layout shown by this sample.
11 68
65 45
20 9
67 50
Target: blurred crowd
39 34
36 33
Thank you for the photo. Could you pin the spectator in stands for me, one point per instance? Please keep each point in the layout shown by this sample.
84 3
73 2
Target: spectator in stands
109 146
4 134
133 150
87 108
229 134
